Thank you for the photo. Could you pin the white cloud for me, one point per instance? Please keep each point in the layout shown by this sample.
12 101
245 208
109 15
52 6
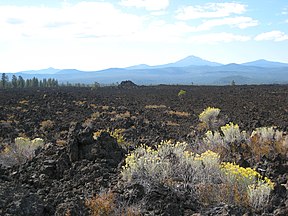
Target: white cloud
210 10
218 37
238 22
152 5
272 36
98 19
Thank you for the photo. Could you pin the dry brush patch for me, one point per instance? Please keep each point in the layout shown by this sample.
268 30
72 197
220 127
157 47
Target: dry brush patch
20 151
106 204
155 106
178 113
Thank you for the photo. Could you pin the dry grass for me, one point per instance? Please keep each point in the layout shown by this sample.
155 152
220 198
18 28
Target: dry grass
155 106
178 113
102 204
122 115
46 125
79 103
94 106
95 115
61 142
24 102
170 123
105 107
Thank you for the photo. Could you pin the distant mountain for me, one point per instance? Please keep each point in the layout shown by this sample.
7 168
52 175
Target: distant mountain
185 71
141 66
188 61
192 60
265 63
69 72
42 71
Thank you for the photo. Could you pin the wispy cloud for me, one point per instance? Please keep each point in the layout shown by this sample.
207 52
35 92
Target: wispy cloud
57 24
210 10
238 22
272 36
218 37
14 21
151 5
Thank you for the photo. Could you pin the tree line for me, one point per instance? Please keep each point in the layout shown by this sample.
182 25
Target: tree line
20 82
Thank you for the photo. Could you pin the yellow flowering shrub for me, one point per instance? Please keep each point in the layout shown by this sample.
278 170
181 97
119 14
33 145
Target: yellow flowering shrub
152 165
171 164
246 185
117 134
265 141
231 133
209 117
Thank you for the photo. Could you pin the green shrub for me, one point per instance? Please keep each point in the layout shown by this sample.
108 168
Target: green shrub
181 93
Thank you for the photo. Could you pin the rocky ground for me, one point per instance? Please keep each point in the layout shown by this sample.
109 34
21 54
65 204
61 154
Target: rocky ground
73 166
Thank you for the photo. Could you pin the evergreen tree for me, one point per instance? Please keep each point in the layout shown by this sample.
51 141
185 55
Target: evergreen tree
35 82
14 81
4 80
21 82
45 83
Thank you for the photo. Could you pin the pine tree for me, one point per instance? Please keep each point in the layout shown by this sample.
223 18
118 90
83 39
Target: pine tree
14 81
21 82
4 80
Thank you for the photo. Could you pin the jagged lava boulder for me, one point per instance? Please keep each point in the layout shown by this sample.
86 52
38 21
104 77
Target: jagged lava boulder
59 179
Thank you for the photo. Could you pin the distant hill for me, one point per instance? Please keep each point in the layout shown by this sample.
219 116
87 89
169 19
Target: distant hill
141 66
265 63
42 71
185 71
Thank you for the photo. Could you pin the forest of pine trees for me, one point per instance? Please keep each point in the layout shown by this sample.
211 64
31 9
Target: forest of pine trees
19 82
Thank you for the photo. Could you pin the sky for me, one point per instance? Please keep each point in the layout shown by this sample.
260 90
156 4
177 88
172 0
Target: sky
96 34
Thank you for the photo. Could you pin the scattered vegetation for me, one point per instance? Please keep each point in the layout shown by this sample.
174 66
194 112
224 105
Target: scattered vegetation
102 205
209 117
105 204
172 165
46 125
19 152
155 106
117 134
181 93
211 176
178 113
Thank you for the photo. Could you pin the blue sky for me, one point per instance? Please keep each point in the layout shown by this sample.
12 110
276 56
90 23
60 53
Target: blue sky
94 35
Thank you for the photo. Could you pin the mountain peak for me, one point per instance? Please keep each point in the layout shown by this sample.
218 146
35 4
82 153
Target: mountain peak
195 61
265 63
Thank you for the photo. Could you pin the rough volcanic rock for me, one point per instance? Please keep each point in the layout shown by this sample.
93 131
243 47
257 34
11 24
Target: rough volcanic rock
127 85
59 179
